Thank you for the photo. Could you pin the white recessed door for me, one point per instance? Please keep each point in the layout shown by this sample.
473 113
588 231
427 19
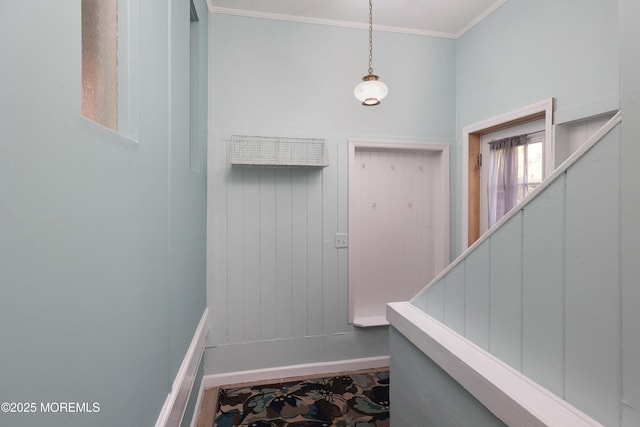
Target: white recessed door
398 224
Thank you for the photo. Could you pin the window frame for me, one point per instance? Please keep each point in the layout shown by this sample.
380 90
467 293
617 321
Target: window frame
470 149
126 72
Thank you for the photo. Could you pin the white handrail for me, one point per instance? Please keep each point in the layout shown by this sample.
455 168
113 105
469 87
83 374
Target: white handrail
604 130
508 394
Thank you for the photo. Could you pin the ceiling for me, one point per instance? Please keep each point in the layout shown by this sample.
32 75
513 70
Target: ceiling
442 18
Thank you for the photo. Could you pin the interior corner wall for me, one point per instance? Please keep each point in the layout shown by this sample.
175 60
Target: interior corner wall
630 211
101 248
187 169
527 51
277 286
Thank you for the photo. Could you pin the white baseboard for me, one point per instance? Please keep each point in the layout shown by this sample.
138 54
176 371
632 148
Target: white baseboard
216 380
196 409
176 402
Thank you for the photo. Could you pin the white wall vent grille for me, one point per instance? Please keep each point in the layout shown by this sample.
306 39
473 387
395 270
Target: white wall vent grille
278 152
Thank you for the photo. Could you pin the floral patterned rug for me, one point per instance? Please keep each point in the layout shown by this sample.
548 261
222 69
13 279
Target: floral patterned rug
355 400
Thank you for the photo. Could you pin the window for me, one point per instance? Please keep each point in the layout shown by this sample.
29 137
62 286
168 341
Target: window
471 153
534 160
109 75
512 167
100 62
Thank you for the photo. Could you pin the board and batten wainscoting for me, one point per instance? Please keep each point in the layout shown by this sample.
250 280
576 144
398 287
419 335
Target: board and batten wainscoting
540 288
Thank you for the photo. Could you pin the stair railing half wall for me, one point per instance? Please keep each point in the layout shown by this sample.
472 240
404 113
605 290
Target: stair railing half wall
562 168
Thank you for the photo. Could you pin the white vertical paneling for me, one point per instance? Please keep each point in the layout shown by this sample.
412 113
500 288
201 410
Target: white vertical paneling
578 135
410 234
390 244
268 277
217 255
421 262
543 289
435 301
454 299
383 178
342 161
384 243
284 277
377 209
299 233
251 253
478 295
631 273
235 256
426 172
427 395
374 176
330 272
506 292
592 282
284 254
581 131
630 417
421 300
392 235
561 142
630 210
569 137
358 248
314 252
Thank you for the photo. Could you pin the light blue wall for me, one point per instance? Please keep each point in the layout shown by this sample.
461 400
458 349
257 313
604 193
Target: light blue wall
551 292
570 305
277 287
102 238
423 395
527 51
281 77
629 212
187 174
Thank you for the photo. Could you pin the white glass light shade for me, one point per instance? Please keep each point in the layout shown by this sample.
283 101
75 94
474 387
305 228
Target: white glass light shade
370 91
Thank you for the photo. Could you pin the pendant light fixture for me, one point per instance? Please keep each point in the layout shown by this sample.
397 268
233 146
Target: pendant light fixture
371 91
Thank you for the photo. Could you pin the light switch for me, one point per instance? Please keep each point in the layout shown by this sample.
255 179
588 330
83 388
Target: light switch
342 240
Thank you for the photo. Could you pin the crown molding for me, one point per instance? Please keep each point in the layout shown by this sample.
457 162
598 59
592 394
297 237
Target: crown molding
480 18
355 25
327 22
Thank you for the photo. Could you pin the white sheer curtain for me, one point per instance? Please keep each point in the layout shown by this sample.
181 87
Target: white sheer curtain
508 179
